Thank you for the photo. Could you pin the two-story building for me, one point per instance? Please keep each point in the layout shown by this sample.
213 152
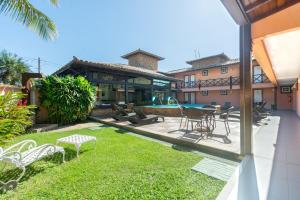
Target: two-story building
215 80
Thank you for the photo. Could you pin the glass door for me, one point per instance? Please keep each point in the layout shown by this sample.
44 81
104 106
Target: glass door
193 98
193 80
258 96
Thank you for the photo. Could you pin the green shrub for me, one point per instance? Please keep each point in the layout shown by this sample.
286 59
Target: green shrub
14 117
68 99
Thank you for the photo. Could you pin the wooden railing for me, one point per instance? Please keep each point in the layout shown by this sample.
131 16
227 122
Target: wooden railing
230 81
210 83
260 78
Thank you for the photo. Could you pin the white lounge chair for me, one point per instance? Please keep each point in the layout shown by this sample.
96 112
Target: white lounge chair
23 154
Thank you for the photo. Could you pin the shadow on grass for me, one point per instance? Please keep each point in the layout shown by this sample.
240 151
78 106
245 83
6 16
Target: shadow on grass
10 173
181 148
121 131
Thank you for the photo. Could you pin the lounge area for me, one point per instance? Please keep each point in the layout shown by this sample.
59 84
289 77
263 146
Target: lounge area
172 129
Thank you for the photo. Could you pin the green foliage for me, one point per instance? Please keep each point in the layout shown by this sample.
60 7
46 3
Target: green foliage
121 166
11 68
68 99
14 118
25 13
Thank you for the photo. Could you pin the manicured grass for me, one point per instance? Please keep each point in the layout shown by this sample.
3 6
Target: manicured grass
121 166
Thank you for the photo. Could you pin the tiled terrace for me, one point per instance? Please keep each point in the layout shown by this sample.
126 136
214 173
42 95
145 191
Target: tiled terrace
273 171
169 131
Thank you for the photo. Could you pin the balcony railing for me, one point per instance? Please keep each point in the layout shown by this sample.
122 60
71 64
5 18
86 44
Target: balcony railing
231 81
209 83
260 78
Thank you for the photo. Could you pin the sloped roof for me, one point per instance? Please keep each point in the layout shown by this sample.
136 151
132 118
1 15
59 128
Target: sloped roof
225 63
223 55
116 67
142 52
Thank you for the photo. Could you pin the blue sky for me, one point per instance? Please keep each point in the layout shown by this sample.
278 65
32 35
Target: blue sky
101 30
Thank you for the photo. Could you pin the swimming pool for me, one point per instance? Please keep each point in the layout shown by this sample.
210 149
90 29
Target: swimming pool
176 106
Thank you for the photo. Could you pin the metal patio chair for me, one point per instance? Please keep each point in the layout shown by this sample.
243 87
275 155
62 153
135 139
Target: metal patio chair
183 116
200 118
224 117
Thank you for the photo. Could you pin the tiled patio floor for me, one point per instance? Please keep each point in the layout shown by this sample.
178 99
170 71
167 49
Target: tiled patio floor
273 171
170 128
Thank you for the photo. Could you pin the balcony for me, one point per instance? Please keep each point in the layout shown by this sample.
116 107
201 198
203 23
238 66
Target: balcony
219 82
209 83
260 78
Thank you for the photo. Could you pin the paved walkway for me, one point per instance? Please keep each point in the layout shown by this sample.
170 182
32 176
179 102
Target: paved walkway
170 129
273 172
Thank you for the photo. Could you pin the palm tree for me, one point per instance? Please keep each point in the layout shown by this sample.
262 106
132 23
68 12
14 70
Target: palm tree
25 13
11 68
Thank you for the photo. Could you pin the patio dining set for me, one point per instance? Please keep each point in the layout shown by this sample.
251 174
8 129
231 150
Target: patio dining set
204 120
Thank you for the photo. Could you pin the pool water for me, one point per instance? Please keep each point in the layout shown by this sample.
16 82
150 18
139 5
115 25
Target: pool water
176 106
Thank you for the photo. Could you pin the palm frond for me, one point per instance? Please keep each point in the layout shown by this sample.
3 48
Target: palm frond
24 12
54 2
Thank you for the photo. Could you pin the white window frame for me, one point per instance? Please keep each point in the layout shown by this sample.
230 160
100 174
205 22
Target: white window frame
204 92
224 70
205 72
223 92
192 98
187 97
258 96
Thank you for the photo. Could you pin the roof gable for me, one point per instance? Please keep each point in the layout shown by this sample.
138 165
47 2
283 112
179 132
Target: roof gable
139 51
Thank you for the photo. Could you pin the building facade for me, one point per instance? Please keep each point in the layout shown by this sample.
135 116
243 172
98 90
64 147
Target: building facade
215 80
136 82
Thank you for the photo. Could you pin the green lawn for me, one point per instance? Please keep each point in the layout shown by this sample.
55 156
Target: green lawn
121 166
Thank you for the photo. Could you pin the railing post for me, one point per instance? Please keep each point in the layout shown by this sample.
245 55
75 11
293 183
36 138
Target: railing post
245 89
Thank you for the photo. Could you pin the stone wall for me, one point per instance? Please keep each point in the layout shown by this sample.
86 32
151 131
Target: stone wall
144 61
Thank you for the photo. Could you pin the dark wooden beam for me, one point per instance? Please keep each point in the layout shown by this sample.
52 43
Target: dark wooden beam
256 5
275 10
245 89
241 6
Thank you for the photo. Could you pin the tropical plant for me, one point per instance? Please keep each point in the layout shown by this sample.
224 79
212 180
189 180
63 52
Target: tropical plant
25 13
68 99
14 116
11 68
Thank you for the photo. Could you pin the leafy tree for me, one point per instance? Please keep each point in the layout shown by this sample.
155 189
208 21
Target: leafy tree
68 99
14 117
11 68
25 13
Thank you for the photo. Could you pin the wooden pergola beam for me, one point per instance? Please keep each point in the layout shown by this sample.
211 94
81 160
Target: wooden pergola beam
283 21
261 55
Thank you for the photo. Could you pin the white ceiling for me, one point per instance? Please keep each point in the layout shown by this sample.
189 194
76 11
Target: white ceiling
284 53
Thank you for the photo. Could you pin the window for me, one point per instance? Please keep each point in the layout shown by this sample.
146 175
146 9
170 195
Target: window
186 80
258 96
285 89
205 72
193 80
95 75
186 97
204 93
223 92
224 70
190 97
